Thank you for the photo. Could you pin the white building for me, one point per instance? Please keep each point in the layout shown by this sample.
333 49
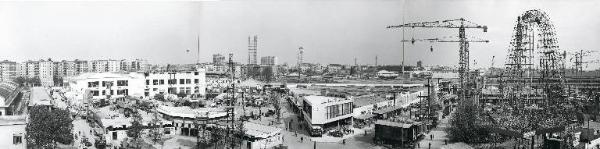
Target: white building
326 111
100 85
364 106
8 70
183 119
46 72
12 132
262 136
190 82
387 74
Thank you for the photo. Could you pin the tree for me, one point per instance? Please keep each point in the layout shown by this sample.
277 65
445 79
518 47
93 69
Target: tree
466 124
276 105
159 97
267 74
156 133
58 81
136 128
47 127
21 81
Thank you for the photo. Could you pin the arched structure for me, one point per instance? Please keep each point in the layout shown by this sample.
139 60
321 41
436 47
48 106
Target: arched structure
534 57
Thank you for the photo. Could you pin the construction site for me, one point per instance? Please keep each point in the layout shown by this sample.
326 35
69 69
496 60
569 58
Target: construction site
541 98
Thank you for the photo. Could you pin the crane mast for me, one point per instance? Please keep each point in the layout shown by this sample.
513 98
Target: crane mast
462 24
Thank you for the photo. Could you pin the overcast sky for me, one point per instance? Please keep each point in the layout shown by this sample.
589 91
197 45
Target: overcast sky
331 31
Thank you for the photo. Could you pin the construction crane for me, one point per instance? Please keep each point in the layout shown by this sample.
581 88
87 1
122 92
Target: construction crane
461 24
578 59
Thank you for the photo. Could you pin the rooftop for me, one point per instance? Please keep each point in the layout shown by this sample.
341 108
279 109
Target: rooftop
188 112
368 100
8 91
396 124
259 130
106 75
13 120
312 100
39 96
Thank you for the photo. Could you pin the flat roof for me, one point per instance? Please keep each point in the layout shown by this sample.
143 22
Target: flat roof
396 124
39 96
312 100
188 112
368 100
13 120
259 130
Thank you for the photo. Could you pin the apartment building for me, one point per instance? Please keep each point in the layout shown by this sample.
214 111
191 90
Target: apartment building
268 60
8 70
188 82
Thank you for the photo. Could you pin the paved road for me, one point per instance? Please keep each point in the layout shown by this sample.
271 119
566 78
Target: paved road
439 136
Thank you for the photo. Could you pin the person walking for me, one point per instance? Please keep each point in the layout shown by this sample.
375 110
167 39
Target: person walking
429 145
301 139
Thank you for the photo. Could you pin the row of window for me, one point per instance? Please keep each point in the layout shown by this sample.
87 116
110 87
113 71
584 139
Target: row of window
110 92
334 111
108 83
171 81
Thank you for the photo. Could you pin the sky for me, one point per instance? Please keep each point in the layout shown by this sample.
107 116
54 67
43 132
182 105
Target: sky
330 31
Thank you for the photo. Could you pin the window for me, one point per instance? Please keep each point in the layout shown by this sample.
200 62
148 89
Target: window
172 81
114 135
95 93
147 82
122 83
154 82
103 92
17 139
188 81
122 92
196 73
162 81
181 81
107 83
196 81
93 84
154 89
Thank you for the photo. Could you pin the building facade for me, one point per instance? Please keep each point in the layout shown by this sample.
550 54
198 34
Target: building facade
189 82
326 111
8 70
268 60
105 85
12 132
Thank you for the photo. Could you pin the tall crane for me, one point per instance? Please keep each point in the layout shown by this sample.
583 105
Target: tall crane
578 60
462 24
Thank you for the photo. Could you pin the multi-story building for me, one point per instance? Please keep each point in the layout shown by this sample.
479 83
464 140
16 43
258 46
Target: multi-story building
326 111
8 70
132 65
189 82
252 50
104 66
103 85
21 69
215 69
46 72
268 60
218 59
33 69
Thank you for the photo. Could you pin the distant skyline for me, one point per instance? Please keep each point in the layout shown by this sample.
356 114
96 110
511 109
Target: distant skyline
331 31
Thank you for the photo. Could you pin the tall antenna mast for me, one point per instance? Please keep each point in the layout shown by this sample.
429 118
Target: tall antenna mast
198 49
